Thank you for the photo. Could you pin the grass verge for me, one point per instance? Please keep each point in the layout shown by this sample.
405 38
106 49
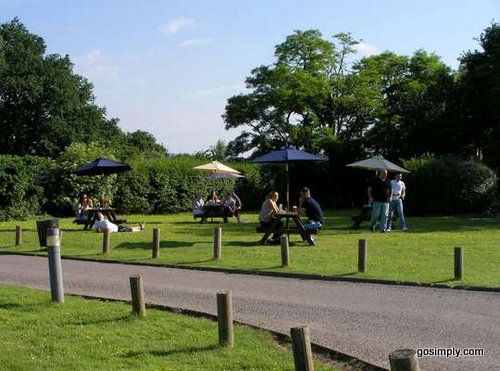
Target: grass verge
38 334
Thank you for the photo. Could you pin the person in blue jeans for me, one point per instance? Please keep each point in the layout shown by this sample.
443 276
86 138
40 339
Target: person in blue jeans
311 208
398 194
379 195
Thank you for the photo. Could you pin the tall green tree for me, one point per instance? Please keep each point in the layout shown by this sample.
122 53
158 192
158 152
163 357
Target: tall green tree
477 99
293 101
44 106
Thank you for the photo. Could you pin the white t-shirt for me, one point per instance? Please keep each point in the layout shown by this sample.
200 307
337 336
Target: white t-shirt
398 189
102 225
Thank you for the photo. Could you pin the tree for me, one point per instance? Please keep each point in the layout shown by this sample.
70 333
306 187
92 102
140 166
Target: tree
44 106
306 90
477 99
144 144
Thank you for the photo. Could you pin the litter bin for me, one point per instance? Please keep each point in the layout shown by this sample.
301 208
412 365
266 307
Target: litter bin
42 226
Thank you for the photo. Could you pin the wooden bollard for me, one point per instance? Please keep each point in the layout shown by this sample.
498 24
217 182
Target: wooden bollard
137 291
156 243
225 318
459 263
301 345
217 243
19 235
404 360
106 241
362 251
285 251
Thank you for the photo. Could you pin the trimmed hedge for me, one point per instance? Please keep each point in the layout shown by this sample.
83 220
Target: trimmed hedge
449 185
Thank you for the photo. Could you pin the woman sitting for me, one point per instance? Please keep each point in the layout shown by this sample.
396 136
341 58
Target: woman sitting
81 208
268 211
213 199
198 206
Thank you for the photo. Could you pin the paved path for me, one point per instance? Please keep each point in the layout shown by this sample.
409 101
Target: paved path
364 320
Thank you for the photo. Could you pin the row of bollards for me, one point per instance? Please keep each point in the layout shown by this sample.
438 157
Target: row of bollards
400 360
363 254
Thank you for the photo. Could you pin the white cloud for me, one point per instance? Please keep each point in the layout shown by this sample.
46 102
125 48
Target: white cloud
94 66
213 91
175 25
194 42
365 50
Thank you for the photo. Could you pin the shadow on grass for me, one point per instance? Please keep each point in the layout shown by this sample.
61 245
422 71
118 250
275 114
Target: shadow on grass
148 246
166 353
242 243
100 321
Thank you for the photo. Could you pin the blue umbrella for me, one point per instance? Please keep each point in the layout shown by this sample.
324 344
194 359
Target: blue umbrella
102 166
287 155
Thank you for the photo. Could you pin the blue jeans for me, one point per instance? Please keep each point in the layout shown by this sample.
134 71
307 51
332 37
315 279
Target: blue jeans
312 224
380 209
397 205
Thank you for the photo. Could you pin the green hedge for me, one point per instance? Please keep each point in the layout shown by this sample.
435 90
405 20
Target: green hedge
23 181
449 185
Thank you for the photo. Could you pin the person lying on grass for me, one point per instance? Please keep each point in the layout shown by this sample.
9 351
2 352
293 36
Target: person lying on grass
102 224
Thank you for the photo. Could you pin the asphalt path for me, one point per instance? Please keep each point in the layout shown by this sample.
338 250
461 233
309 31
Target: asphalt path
364 320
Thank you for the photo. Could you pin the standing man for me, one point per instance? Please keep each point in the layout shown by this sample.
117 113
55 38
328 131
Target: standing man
398 194
311 208
379 194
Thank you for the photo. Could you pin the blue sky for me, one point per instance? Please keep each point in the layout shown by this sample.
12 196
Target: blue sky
169 66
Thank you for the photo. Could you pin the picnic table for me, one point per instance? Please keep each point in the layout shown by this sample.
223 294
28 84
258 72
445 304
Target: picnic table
213 211
108 212
306 234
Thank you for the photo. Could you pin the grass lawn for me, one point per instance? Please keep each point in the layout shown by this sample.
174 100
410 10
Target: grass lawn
425 254
37 334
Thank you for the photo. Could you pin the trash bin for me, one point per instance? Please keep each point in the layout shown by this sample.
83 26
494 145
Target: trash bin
42 226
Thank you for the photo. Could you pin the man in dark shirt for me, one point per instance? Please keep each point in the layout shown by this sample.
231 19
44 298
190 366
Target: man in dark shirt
379 194
311 208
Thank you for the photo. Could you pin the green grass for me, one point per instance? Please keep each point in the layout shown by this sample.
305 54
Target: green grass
37 334
425 254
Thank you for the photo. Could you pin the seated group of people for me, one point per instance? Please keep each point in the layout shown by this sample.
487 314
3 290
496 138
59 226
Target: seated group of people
307 205
231 204
85 203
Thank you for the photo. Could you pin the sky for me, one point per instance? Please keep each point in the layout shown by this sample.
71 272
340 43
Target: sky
169 66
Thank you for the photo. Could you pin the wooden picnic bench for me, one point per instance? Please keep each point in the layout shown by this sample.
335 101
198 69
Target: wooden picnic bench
213 211
299 228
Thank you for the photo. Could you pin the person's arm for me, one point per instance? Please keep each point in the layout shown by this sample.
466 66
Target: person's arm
370 194
274 208
403 191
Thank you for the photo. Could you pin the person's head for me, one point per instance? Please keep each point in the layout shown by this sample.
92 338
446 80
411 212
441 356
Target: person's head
382 174
274 196
83 197
213 195
305 192
398 177
99 216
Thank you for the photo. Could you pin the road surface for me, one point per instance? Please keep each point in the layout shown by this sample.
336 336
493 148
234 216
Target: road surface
364 320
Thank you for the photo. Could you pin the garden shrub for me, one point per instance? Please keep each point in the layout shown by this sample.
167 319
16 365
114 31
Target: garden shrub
449 185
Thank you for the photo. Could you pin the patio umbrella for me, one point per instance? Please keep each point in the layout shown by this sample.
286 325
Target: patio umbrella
377 163
287 155
102 166
216 167
223 176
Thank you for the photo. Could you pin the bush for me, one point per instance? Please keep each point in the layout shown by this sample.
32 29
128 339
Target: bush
449 185
22 182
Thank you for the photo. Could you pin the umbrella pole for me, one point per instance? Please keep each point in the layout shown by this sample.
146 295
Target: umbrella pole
287 187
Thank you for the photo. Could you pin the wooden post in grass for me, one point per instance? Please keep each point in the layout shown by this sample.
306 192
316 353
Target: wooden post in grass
217 243
285 251
225 318
459 263
156 243
106 241
301 345
404 360
362 251
19 235
137 291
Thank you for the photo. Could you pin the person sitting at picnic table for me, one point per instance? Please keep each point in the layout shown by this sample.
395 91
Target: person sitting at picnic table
231 207
268 210
104 202
213 199
198 206
102 224
310 207
81 208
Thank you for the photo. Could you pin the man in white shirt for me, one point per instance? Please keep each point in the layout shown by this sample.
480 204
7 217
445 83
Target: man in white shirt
397 196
